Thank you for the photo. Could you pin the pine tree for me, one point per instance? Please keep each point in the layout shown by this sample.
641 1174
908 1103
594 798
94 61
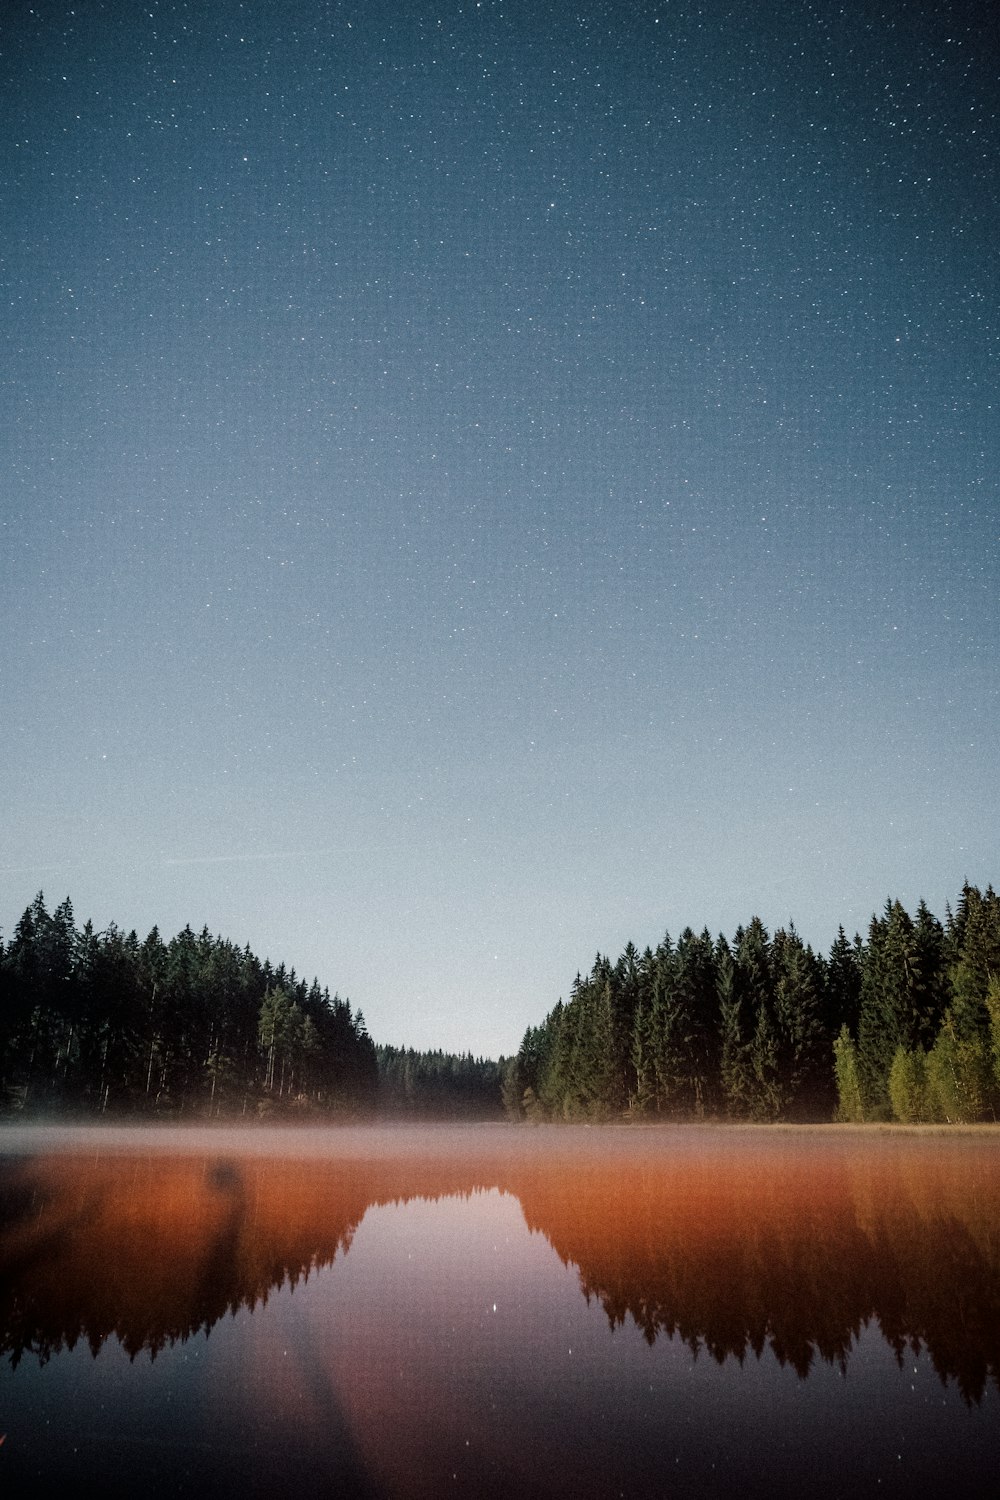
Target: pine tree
842 989
850 1104
751 1076
894 1004
803 1043
975 947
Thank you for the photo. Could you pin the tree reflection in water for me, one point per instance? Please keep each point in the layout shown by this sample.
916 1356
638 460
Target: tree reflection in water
775 1244
733 1241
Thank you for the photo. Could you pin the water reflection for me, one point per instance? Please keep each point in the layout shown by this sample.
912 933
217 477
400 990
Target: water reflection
733 1242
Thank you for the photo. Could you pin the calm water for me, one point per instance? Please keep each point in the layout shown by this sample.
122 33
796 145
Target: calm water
498 1311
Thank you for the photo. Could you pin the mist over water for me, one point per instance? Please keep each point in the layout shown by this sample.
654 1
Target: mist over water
495 1310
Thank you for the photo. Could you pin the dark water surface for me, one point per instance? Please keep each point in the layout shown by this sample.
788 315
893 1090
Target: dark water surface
500 1312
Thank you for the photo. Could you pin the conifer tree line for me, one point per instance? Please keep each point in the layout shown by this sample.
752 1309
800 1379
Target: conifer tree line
903 1025
92 1022
438 1085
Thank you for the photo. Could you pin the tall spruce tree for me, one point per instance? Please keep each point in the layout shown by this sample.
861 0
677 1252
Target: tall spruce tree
842 985
804 1041
891 1012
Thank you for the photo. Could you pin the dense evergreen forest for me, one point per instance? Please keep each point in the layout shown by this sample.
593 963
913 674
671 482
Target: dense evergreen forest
904 1025
438 1085
108 1023
97 1022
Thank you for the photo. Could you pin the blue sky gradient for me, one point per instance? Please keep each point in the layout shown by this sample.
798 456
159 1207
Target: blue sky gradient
486 482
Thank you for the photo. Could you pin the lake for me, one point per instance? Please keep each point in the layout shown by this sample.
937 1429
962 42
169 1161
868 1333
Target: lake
500 1311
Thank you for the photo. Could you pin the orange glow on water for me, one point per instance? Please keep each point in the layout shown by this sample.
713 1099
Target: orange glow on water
478 1275
730 1238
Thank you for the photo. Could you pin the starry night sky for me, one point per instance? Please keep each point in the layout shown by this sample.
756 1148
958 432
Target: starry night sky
484 482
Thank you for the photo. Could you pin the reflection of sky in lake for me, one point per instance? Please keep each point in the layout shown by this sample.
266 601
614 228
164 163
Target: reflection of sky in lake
450 1350
468 1341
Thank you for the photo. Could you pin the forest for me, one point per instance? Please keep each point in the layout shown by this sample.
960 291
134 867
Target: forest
438 1085
903 1025
97 1023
